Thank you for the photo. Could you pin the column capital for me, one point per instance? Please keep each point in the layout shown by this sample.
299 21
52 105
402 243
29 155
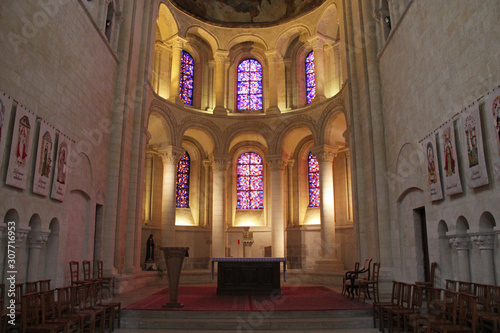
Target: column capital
291 163
221 56
276 162
325 153
317 42
177 42
271 55
460 242
484 242
219 162
38 238
171 154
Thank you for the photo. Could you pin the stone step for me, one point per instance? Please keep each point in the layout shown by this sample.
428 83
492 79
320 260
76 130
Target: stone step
247 320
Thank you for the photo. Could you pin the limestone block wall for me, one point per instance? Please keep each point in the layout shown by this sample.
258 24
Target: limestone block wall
442 57
56 63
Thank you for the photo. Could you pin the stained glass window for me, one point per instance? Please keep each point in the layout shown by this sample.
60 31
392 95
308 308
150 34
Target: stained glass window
310 78
313 172
250 182
182 184
249 85
186 79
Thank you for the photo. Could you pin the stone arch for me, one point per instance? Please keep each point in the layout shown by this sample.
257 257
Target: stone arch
204 124
161 125
247 39
328 23
409 170
166 24
286 38
288 125
205 35
236 129
486 222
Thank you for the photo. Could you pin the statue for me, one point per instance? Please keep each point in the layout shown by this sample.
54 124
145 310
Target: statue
150 248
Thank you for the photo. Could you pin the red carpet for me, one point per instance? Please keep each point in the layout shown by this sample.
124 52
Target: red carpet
204 298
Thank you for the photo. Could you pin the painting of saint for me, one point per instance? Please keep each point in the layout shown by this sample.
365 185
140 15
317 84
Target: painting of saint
449 160
23 141
431 166
471 139
61 164
46 152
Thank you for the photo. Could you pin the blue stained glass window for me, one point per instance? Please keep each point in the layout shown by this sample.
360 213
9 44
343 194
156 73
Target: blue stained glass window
313 173
182 184
186 78
250 182
310 78
249 85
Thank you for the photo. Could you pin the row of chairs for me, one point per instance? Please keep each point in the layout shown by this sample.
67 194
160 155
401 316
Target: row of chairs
108 282
79 308
472 309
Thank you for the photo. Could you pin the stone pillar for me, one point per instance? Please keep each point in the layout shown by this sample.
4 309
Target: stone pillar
211 85
219 167
461 243
21 260
157 67
36 240
273 83
290 87
277 164
206 194
148 195
170 157
291 199
175 74
486 244
319 67
220 78
325 155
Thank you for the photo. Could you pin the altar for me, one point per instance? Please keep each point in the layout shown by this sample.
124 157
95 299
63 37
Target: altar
248 275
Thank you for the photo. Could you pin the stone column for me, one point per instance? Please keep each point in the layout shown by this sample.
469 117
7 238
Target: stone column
319 67
211 85
175 74
170 157
36 240
486 244
290 87
273 83
219 167
21 261
157 67
291 199
206 194
325 155
461 243
220 78
277 165
148 195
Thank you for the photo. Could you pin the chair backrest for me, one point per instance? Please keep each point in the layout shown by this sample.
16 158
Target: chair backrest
77 297
366 269
99 269
19 295
434 302
44 285
481 292
31 287
464 287
406 295
450 301
396 292
48 302
417 297
30 310
493 298
467 311
63 303
432 274
86 269
376 271
451 285
74 268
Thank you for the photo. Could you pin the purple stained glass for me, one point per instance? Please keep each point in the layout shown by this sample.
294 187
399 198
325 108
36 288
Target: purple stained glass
313 172
186 78
182 184
250 182
249 86
310 78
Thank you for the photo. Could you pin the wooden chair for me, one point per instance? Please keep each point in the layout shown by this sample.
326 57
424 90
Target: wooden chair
353 278
87 305
31 321
400 317
44 285
405 304
434 309
108 282
451 285
395 300
464 287
31 287
85 321
74 268
49 313
113 309
467 318
87 272
489 317
366 285
448 315
356 268
430 282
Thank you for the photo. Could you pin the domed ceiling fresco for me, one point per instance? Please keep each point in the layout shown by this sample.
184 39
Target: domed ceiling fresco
244 12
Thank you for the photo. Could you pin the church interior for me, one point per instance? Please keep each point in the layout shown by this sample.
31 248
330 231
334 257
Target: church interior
324 132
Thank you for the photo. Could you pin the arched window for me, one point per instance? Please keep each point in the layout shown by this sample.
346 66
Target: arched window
182 184
186 79
250 182
313 173
249 85
310 78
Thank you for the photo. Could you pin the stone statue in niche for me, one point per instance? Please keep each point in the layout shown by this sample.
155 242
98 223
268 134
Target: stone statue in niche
150 248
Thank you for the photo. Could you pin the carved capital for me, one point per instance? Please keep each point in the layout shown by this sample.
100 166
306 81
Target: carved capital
272 56
276 162
325 153
220 162
178 43
460 242
171 155
291 163
316 43
221 56
38 238
484 242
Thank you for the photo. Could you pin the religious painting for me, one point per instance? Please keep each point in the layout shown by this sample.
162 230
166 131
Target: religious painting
61 168
231 12
451 175
5 111
433 179
492 109
20 151
472 146
43 165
